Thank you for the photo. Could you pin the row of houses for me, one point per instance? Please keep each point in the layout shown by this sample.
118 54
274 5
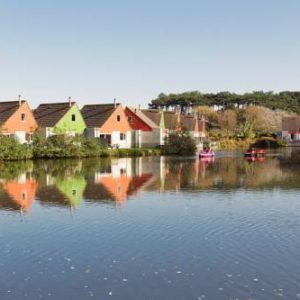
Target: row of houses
112 124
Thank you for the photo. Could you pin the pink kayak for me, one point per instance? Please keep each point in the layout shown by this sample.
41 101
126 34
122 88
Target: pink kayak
207 154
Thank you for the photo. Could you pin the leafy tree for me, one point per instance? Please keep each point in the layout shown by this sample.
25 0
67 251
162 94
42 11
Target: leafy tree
286 100
227 120
207 112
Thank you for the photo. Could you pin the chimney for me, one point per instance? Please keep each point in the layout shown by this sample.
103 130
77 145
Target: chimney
139 106
70 104
115 103
20 100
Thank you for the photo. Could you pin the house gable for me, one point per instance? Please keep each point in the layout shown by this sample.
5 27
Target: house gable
22 119
135 121
71 121
117 121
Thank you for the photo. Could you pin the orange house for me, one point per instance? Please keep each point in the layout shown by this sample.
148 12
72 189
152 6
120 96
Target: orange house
22 193
109 123
16 119
116 186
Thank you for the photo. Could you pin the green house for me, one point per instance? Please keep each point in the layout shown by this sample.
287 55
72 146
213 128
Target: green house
59 118
72 188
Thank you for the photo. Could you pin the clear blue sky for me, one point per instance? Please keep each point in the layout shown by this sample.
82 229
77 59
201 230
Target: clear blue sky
96 50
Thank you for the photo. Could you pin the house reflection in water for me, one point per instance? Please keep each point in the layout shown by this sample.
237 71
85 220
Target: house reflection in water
67 183
19 193
121 178
62 191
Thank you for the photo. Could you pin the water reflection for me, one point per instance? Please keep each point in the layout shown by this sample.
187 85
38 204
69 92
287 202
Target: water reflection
68 183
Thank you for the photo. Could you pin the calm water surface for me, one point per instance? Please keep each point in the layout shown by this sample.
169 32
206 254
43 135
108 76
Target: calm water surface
151 228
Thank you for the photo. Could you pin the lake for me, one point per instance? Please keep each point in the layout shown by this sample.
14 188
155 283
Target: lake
151 228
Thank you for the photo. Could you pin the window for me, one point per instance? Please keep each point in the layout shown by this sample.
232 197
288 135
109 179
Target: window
118 118
24 196
73 117
23 117
129 119
122 136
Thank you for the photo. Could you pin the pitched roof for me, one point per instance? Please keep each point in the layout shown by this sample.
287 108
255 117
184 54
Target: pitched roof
7 109
95 115
188 122
143 117
153 114
171 120
50 195
47 115
97 192
291 123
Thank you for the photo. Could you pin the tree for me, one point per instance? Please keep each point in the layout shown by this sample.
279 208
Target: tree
207 112
286 100
227 120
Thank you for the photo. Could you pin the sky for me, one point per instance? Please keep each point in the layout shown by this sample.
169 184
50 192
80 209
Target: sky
132 50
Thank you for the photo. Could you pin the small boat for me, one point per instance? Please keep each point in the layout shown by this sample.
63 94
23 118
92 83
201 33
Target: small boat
254 153
209 153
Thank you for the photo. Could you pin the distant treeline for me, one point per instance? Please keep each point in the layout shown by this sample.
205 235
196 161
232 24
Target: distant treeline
286 100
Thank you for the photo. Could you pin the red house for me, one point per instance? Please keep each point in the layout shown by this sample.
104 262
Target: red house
145 132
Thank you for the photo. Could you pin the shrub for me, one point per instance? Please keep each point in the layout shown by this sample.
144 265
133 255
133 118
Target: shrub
11 149
64 146
180 144
90 147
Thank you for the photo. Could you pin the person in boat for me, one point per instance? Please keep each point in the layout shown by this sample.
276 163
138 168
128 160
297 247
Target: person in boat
250 151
